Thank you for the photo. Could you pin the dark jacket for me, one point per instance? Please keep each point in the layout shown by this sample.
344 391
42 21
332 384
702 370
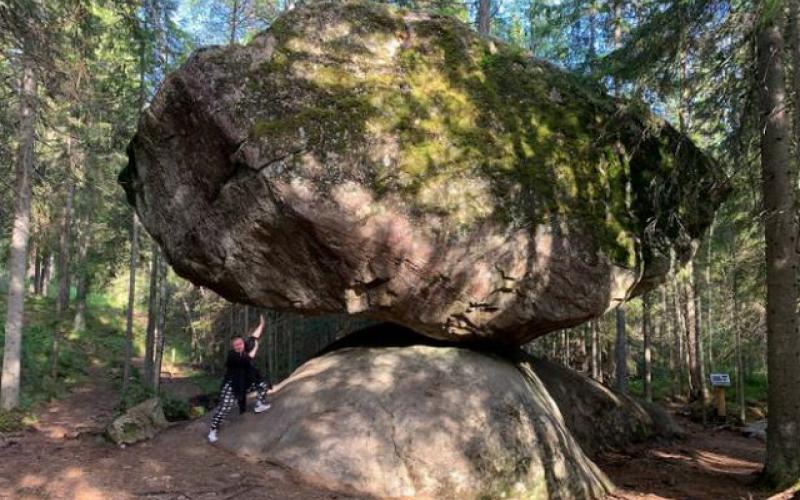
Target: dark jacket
240 369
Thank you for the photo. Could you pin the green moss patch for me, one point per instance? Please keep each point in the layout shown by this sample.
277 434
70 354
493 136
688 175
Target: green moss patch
348 79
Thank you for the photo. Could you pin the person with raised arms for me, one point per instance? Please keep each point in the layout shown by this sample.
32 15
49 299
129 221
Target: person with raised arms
241 377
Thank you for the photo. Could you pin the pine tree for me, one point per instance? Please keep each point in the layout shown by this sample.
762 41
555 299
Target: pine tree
9 394
778 182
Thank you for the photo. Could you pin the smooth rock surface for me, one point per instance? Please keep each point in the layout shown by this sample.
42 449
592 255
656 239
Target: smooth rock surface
423 421
599 418
356 158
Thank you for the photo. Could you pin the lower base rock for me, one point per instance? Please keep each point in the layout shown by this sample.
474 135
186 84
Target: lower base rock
423 421
599 418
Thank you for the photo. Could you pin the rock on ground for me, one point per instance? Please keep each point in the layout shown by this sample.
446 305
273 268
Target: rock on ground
358 158
139 423
421 420
599 418
757 430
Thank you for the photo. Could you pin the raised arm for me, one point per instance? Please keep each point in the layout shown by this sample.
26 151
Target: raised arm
255 336
260 328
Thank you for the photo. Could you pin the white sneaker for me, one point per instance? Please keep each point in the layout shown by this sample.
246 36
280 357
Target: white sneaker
212 436
261 407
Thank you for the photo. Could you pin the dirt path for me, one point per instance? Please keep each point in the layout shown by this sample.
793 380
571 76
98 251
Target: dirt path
64 456
709 464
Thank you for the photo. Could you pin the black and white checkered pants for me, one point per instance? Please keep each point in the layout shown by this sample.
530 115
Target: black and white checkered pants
228 400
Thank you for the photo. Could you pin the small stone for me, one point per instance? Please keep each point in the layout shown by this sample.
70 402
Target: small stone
139 423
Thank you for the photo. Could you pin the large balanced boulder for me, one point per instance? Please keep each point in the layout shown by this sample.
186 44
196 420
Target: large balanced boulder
358 158
423 421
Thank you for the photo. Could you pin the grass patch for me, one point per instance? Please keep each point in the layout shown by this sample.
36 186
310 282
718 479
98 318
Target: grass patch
662 388
15 420
100 344
755 388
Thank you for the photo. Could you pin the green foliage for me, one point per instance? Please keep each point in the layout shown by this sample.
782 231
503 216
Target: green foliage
197 412
14 420
662 387
134 394
37 334
176 408
100 345
755 388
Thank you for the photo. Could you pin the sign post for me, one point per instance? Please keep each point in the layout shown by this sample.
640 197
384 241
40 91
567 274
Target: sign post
719 381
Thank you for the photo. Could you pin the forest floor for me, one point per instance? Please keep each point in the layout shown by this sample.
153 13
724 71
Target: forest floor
711 463
64 455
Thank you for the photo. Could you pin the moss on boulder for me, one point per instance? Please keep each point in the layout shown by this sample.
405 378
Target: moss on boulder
422 174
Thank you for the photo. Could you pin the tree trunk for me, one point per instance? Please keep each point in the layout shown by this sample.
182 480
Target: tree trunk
621 351
65 235
192 331
584 368
678 334
597 362
699 369
30 274
46 271
646 335
82 287
64 239
233 22
794 32
152 316
15 305
778 183
737 336
617 22
565 354
683 109
133 264
667 333
532 40
37 271
708 292
689 329
159 334
484 16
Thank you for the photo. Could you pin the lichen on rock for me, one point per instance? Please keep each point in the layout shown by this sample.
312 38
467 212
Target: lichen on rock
366 159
